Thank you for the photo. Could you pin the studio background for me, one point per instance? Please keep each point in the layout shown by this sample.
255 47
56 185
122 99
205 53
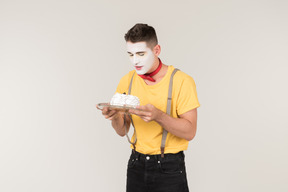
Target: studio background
60 58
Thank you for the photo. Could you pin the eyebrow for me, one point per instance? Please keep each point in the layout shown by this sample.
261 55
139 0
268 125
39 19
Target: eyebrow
137 52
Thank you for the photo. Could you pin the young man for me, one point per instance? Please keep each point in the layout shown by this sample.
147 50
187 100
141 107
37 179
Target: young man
155 164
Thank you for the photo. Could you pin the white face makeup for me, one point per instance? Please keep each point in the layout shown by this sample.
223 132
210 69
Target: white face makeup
141 56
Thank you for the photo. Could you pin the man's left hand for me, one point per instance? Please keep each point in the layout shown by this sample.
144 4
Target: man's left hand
147 112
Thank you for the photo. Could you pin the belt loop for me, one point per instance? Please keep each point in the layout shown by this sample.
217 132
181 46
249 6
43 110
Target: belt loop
133 154
137 155
159 158
134 148
162 152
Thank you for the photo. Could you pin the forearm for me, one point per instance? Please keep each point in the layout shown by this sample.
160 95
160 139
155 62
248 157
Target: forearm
184 126
179 127
119 125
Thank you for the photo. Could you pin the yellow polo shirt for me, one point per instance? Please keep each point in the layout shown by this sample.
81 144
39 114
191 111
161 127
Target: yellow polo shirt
184 99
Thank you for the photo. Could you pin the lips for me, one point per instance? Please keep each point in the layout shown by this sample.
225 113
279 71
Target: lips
138 67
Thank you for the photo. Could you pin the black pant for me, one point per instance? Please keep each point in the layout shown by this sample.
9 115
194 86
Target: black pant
151 173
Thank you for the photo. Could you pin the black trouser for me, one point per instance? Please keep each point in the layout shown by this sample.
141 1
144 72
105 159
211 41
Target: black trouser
151 173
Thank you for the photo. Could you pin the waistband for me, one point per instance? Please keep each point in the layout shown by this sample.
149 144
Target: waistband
158 156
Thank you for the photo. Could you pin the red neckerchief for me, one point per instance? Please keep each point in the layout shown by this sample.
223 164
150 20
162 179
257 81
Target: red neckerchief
149 76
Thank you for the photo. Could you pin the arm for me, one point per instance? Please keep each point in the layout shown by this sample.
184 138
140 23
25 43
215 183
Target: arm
117 120
184 127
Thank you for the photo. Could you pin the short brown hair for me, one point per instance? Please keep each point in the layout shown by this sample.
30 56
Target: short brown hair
142 32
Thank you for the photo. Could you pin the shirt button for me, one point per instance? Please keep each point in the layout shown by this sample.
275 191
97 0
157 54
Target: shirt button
147 157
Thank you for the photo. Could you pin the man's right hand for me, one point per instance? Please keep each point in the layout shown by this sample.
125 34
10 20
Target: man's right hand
117 119
108 113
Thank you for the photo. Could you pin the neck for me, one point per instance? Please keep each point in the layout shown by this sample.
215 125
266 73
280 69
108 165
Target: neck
161 72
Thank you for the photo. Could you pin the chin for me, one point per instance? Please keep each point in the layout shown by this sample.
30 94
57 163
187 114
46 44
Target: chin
140 72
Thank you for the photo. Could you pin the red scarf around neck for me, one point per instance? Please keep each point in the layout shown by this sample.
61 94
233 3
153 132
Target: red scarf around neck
149 76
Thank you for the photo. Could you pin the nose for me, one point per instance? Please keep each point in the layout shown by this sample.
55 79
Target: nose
135 60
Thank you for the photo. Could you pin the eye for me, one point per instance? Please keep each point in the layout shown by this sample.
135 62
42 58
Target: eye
130 55
141 54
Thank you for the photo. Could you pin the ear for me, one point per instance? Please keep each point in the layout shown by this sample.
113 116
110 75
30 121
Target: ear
157 50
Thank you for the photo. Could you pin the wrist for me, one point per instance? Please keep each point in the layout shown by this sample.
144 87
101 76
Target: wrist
160 116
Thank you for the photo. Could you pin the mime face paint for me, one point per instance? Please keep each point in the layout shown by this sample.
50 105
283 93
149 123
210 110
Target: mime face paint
141 56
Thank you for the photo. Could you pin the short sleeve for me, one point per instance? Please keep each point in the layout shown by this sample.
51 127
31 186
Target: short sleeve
187 97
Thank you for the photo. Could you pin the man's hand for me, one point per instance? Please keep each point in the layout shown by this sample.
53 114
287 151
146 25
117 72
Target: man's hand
183 126
147 112
117 119
108 113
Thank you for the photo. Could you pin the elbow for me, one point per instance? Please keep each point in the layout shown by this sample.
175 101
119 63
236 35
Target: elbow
191 135
121 134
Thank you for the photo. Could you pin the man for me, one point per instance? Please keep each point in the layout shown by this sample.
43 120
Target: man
148 170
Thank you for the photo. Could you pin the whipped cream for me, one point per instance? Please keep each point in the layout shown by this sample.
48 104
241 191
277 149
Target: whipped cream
125 100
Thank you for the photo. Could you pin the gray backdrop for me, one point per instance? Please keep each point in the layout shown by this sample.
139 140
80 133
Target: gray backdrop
59 58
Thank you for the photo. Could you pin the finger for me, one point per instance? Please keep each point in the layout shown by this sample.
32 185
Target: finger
142 108
139 113
108 116
98 107
105 111
111 114
146 119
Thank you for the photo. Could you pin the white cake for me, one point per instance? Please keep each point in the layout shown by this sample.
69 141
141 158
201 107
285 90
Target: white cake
125 100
